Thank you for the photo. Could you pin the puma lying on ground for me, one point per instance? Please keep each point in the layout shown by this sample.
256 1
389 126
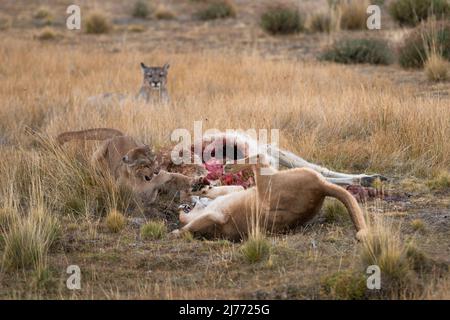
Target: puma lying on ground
282 200
132 164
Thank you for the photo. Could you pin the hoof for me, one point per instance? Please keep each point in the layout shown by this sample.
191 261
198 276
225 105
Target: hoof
369 180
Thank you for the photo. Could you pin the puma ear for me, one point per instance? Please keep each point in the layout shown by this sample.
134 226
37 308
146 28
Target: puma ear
166 66
143 67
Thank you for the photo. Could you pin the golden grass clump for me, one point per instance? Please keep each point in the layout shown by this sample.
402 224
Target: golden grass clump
437 68
47 34
418 225
351 14
153 230
115 221
164 13
97 23
28 240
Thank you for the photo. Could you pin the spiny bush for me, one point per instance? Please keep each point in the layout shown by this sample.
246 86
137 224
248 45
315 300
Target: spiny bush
153 230
217 9
281 19
373 51
97 23
437 68
412 12
431 37
141 9
115 221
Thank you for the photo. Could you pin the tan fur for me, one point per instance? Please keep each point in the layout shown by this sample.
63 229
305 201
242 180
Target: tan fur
132 164
279 201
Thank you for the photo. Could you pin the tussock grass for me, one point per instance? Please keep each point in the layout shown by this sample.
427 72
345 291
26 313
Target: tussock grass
164 13
427 40
441 181
401 263
437 68
217 9
418 225
256 248
115 221
97 23
153 230
351 14
28 239
412 12
281 19
345 285
335 211
141 9
47 34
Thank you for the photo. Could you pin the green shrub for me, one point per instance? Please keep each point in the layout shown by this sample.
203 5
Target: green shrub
373 51
424 40
255 249
217 10
335 211
97 23
411 12
153 230
281 20
141 9
345 285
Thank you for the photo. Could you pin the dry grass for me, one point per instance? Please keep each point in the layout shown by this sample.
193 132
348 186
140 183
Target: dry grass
115 221
350 14
437 68
153 230
347 124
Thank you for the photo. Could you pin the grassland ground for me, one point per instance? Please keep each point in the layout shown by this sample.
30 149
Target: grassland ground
349 118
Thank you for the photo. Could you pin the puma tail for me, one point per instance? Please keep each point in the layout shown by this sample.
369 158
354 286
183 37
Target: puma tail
90 134
352 206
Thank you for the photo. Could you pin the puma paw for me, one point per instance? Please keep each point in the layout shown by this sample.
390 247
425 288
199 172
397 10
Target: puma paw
361 235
